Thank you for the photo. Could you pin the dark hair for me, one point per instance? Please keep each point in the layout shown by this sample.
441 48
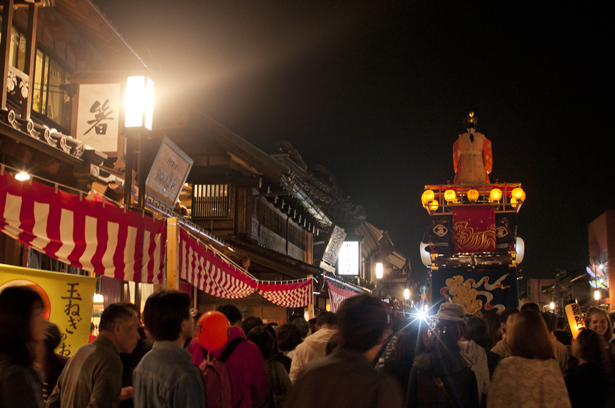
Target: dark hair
17 306
261 336
550 320
312 325
303 326
164 313
530 307
410 342
332 344
588 319
476 330
231 312
327 318
507 312
446 336
361 320
593 349
251 322
114 313
289 337
529 337
492 320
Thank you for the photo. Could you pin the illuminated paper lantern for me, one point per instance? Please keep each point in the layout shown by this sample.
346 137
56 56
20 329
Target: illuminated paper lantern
518 194
575 319
427 196
450 195
495 195
433 205
473 195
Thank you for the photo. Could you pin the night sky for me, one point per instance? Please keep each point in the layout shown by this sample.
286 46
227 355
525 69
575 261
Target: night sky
376 92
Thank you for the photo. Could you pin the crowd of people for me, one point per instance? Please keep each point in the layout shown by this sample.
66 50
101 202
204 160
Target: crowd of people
361 356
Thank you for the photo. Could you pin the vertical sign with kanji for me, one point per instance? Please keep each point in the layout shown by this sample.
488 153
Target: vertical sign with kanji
68 301
98 116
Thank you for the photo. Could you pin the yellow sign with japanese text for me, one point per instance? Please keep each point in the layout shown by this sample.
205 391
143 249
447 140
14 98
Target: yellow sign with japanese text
68 301
575 319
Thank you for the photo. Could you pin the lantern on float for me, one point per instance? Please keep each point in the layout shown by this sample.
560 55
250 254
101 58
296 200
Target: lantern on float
433 205
495 195
427 196
518 194
473 195
514 202
450 196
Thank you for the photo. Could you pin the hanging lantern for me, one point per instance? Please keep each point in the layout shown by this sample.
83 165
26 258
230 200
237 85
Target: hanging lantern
518 194
433 205
450 196
473 195
495 195
427 196
514 202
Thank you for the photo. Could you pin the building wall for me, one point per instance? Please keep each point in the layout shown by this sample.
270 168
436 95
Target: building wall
601 242
534 290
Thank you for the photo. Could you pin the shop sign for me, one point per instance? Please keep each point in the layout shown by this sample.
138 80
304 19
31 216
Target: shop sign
169 173
348 260
98 116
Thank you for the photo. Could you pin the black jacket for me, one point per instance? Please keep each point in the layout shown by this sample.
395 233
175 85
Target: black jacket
456 377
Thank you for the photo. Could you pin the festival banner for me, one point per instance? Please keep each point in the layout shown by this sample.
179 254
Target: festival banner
88 234
68 301
478 291
293 294
474 229
337 295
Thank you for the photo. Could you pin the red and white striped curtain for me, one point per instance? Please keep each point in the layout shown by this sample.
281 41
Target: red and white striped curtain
216 276
91 235
337 295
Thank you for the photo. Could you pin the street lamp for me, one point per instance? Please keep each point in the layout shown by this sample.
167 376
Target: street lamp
597 294
138 117
552 305
379 270
407 294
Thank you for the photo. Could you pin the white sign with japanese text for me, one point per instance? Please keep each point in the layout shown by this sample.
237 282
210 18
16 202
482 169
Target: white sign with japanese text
98 116
348 260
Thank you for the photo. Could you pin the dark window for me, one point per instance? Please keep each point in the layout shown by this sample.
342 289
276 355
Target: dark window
273 221
295 236
210 201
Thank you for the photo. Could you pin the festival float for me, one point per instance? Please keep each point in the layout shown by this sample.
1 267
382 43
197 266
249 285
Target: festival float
472 253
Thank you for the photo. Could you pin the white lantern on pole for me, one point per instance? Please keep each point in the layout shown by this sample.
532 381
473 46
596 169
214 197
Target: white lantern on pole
379 270
407 294
139 108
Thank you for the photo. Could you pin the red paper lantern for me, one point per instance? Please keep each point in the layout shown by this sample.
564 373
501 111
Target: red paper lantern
212 330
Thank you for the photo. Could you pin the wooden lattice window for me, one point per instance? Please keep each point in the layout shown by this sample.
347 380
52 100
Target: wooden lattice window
210 201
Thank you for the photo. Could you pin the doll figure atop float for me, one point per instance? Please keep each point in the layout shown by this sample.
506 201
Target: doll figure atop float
472 156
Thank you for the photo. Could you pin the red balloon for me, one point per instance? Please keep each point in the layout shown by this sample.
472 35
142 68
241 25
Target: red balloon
212 330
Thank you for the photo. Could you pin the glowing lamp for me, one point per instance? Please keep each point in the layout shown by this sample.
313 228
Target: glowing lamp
98 298
495 195
597 294
518 194
514 202
379 270
450 195
473 195
552 305
433 205
406 293
427 196
22 176
139 107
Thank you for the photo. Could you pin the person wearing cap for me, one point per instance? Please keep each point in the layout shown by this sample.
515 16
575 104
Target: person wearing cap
441 376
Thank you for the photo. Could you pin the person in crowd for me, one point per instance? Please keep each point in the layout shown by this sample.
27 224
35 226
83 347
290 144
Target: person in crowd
345 379
560 352
599 321
21 327
289 337
312 325
476 330
508 318
47 361
530 307
251 322
277 376
130 362
314 346
562 332
530 377
441 376
474 354
593 372
165 377
246 367
303 326
494 329
93 375
410 341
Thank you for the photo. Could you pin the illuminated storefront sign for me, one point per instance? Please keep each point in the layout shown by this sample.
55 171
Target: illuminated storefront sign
348 259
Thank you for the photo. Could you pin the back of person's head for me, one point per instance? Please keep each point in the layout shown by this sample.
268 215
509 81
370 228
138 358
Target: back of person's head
326 318
165 312
530 307
529 337
302 325
446 336
492 320
550 320
506 314
332 344
116 313
476 330
261 336
312 325
561 323
361 321
231 312
591 347
17 307
251 322
289 337
410 341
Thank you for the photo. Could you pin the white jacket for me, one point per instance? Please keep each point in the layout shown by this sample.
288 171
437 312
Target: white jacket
312 348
